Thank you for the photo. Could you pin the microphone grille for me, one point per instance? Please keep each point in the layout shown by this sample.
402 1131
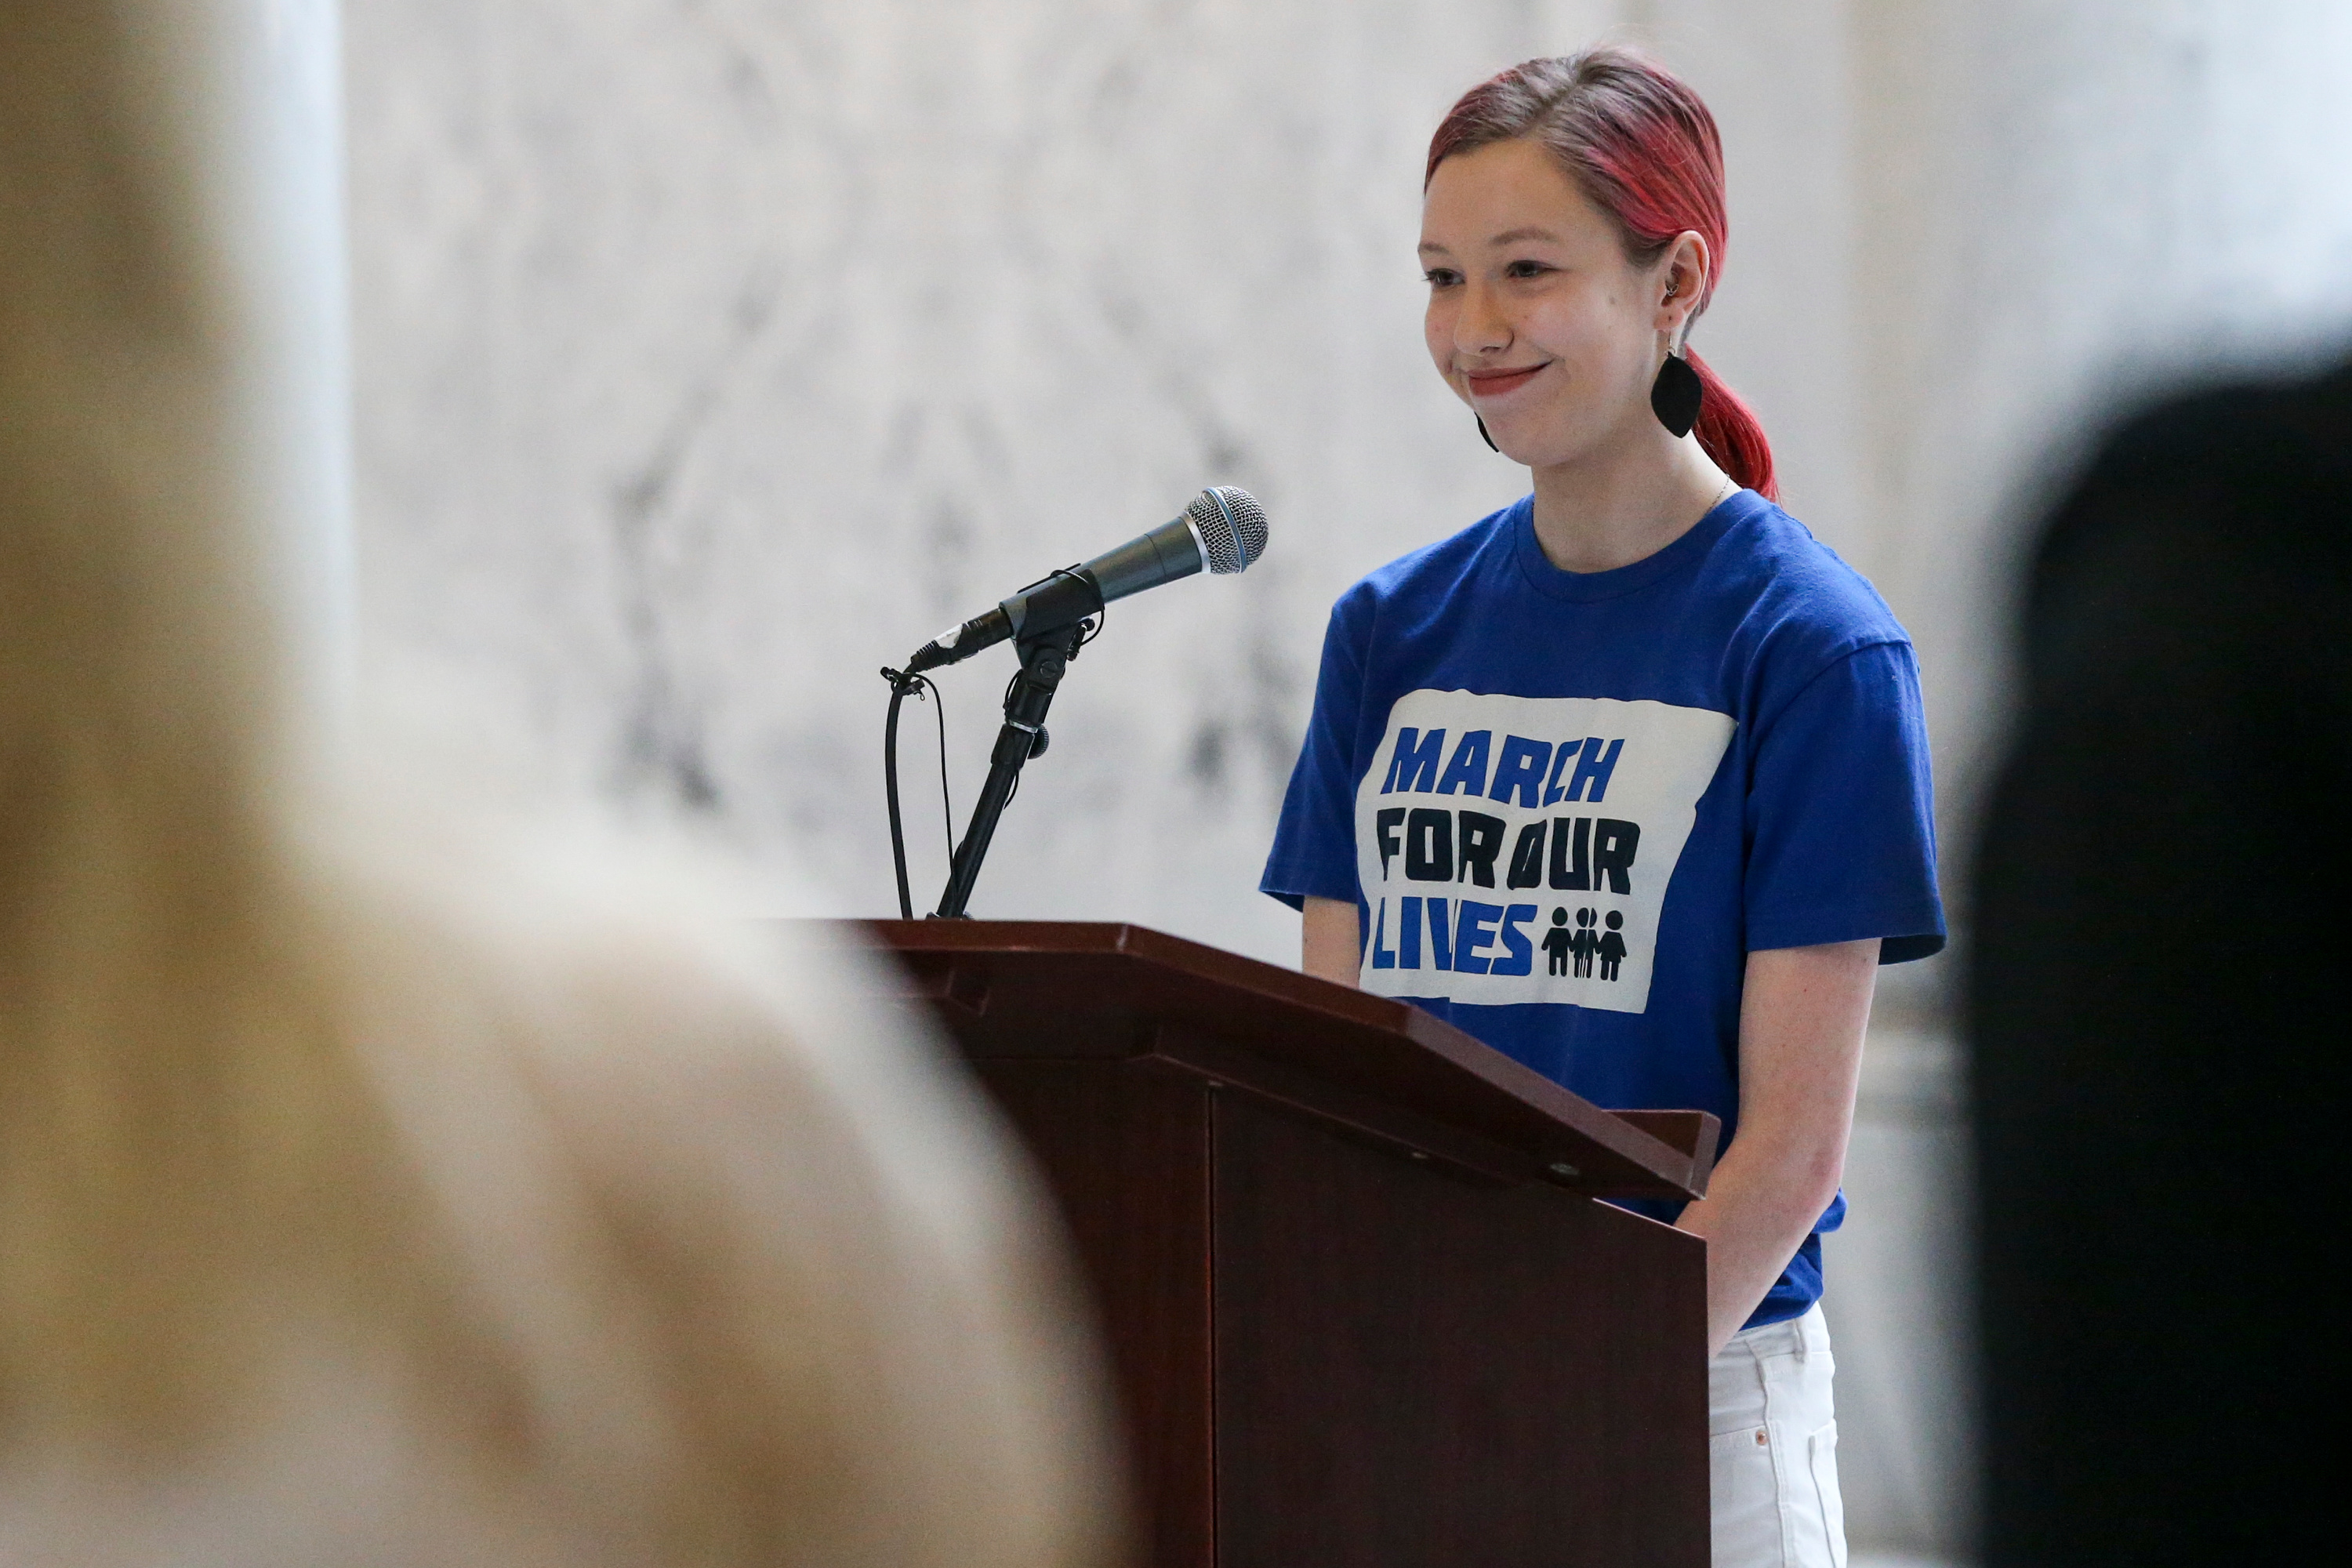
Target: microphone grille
1231 525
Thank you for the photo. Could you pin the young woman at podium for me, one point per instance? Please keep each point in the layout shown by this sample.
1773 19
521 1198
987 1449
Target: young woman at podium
1630 779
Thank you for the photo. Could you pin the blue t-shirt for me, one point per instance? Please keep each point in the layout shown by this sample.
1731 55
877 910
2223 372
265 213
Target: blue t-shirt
1569 805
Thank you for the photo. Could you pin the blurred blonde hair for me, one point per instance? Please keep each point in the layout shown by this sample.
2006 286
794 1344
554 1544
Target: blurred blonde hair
491 1196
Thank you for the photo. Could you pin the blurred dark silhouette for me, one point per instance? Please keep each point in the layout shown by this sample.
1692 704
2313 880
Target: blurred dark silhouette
2157 993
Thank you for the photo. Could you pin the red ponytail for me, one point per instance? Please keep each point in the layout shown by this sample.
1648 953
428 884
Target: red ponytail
1730 432
1644 150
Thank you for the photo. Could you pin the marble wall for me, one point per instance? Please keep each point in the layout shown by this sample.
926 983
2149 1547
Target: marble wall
719 354
711 353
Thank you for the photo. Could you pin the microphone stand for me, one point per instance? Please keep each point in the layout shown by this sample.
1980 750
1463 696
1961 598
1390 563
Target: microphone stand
1043 660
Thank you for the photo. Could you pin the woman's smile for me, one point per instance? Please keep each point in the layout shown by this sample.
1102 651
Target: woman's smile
1494 383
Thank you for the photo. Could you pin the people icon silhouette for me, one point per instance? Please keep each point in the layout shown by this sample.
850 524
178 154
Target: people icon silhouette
1557 942
1584 942
1612 946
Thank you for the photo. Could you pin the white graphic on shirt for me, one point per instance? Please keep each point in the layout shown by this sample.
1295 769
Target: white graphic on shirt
1519 848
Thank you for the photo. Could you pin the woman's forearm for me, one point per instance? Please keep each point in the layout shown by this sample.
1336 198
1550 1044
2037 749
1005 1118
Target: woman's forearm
1802 1014
1329 945
1760 1207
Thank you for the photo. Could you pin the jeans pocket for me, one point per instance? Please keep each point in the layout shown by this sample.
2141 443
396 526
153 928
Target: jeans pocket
1744 1500
1820 1467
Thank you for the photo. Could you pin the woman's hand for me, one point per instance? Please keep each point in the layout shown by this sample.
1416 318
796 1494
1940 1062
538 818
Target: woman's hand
1802 1017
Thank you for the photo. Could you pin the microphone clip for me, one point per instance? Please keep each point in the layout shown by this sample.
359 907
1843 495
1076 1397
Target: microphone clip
1044 660
1061 598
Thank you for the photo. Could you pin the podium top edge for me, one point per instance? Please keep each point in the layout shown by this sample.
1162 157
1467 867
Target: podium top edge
1683 1171
1145 943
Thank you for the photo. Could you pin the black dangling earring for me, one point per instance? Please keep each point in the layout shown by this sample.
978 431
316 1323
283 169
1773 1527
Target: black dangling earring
1484 436
1675 395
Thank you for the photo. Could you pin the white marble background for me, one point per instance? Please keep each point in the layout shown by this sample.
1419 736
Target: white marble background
710 353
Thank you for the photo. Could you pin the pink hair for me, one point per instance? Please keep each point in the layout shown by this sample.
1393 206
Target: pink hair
1644 150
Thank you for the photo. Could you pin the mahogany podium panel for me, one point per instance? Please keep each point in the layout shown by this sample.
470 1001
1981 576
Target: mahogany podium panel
1363 1309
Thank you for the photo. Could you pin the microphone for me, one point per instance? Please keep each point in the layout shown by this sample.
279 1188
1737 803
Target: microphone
1223 530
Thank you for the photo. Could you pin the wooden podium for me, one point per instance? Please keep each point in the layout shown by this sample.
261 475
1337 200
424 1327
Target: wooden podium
1361 1305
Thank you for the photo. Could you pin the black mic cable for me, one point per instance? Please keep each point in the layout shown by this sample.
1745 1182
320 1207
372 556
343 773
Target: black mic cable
901 685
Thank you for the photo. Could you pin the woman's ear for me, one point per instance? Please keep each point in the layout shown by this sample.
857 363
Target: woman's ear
1683 273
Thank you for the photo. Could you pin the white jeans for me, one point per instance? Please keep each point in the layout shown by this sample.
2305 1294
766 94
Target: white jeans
1771 1448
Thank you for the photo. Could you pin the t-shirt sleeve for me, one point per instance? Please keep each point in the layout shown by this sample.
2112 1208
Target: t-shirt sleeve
1841 813
1314 852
